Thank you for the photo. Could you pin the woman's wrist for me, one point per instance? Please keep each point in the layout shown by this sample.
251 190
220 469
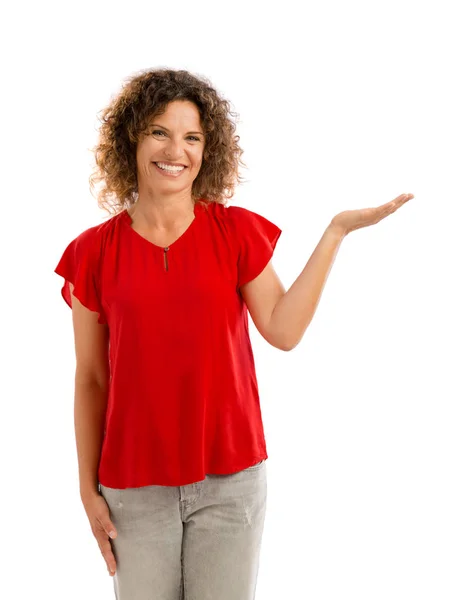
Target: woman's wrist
88 490
337 230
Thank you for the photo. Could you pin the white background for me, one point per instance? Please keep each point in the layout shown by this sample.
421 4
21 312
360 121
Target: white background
341 105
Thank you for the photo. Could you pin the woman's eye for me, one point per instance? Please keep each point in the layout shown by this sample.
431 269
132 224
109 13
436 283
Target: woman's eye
191 136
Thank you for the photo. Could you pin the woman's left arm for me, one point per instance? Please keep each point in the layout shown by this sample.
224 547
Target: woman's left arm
294 311
283 317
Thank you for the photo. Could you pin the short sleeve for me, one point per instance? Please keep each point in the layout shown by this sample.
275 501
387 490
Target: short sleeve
78 265
257 238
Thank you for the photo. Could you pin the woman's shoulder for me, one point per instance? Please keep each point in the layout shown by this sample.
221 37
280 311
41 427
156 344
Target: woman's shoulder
96 233
234 212
227 211
236 217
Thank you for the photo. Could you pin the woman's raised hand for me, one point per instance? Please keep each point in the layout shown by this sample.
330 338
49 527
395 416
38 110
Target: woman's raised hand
350 220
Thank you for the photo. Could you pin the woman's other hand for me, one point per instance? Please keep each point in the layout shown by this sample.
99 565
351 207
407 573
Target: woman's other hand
350 220
102 527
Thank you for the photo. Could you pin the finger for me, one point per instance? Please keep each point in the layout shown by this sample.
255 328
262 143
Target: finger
402 199
105 548
109 531
109 528
390 207
385 210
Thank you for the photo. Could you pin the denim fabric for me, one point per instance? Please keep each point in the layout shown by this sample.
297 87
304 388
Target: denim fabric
193 542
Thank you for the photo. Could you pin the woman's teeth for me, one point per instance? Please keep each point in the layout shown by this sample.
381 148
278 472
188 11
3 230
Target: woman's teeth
167 168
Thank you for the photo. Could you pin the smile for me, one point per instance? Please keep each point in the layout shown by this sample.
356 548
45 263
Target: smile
170 171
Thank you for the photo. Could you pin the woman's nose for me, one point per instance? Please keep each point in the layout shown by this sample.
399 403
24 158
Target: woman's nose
174 149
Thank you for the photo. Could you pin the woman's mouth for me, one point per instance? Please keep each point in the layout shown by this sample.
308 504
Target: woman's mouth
170 173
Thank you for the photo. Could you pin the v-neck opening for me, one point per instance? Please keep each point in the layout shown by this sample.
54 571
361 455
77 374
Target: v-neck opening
190 227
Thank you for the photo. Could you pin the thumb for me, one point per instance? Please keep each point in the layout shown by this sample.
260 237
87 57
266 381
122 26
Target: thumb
109 528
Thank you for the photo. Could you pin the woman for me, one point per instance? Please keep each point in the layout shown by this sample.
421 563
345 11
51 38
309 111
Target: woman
170 440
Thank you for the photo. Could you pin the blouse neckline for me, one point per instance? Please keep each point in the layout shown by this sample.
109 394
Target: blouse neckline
128 222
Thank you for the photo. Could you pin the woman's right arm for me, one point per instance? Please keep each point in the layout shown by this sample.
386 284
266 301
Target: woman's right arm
92 377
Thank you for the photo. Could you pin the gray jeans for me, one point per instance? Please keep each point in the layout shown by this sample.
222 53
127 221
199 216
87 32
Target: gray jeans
192 542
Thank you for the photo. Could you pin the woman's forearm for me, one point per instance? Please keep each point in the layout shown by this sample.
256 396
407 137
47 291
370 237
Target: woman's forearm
89 415
294 311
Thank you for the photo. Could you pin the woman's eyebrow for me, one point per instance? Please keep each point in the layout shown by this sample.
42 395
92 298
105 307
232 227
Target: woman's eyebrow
162 127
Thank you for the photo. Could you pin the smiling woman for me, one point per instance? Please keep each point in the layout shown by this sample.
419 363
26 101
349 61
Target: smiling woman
179 406
166 116
173 154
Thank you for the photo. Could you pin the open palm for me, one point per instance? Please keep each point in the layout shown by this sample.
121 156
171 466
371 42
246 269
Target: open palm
350 220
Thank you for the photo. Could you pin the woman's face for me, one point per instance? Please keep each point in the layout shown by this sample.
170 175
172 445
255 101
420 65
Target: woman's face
176 137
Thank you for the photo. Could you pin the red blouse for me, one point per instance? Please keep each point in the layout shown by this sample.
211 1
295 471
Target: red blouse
183 397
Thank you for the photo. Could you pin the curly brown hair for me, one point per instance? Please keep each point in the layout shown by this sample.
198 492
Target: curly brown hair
126 118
